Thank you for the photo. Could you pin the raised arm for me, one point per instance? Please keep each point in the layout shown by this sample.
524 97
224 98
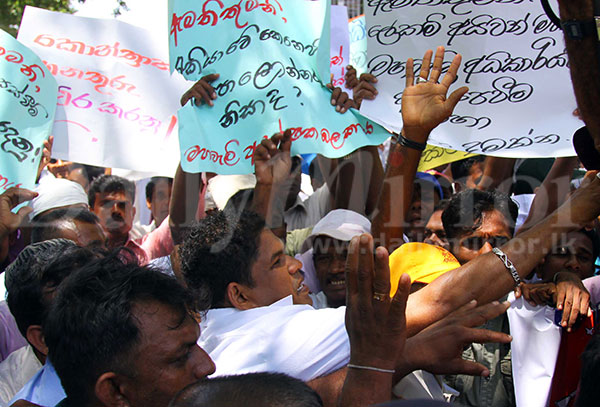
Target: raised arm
486 278
424 107
583 63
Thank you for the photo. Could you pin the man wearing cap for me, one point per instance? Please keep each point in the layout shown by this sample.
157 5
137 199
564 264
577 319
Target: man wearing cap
325 253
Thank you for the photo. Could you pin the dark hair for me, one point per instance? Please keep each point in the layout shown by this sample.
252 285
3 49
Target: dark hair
220 249
249 390
48 225
28 276
461 168
441 205
106 184
91 328
152 183
464 212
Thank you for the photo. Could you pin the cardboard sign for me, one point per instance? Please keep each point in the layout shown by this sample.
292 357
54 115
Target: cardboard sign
272 75
520 98
117 100
358 43
27 105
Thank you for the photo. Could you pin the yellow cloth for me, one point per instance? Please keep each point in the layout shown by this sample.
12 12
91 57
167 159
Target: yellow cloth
421 261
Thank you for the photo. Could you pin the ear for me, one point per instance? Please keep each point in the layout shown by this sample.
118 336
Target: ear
36 338
237 295
133 211
110 389
148 204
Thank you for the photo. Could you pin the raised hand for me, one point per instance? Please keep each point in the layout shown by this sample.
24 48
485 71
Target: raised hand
438 348
365 89
376 324
272 160
583 206
201 91
425 104
9 221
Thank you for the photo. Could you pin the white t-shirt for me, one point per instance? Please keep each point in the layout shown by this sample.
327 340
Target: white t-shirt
15 372
294 339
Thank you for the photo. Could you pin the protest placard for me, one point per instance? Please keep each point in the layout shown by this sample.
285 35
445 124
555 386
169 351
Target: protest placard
28 94
358 43
434 156
340 46
117 100
272 72
520 99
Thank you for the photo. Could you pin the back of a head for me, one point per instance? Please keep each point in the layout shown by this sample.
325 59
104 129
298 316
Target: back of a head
50 225
249 390
465 210
90 328
110 183
26 277
220 249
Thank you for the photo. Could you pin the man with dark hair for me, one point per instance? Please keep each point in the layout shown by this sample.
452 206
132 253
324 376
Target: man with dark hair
476 221
79 225
250 390
30 282
123 334
158 196
111 198
226 258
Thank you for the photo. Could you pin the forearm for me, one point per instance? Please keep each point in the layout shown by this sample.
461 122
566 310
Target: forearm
185 198
583 62
329 387
270 206
552 192
396 195
365 388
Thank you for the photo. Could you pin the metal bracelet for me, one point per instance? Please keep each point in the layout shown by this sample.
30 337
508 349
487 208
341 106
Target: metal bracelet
508 264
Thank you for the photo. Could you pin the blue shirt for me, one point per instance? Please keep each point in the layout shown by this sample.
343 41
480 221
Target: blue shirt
43 389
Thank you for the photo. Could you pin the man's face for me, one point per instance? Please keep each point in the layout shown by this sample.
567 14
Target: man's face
115 211
424 200
329 257
275 274
434 231
159 205
493 232
167 357
575 255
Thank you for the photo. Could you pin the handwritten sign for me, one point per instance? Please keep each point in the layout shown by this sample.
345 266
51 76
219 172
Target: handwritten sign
117 100
434 156
27 106
272 72
358 43
340 46
520 96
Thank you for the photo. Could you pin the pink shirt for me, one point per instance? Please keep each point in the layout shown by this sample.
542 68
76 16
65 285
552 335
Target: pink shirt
157 243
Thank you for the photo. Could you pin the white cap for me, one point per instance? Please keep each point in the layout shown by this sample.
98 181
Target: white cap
340 224
56 193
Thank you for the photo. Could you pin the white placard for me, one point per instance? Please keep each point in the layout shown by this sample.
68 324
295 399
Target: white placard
117 102
520 99
340 46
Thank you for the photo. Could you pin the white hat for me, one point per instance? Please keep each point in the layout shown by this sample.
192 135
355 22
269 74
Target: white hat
56 193
340 224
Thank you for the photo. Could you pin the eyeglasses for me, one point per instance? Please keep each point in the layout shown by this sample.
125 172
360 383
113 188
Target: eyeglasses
477 242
